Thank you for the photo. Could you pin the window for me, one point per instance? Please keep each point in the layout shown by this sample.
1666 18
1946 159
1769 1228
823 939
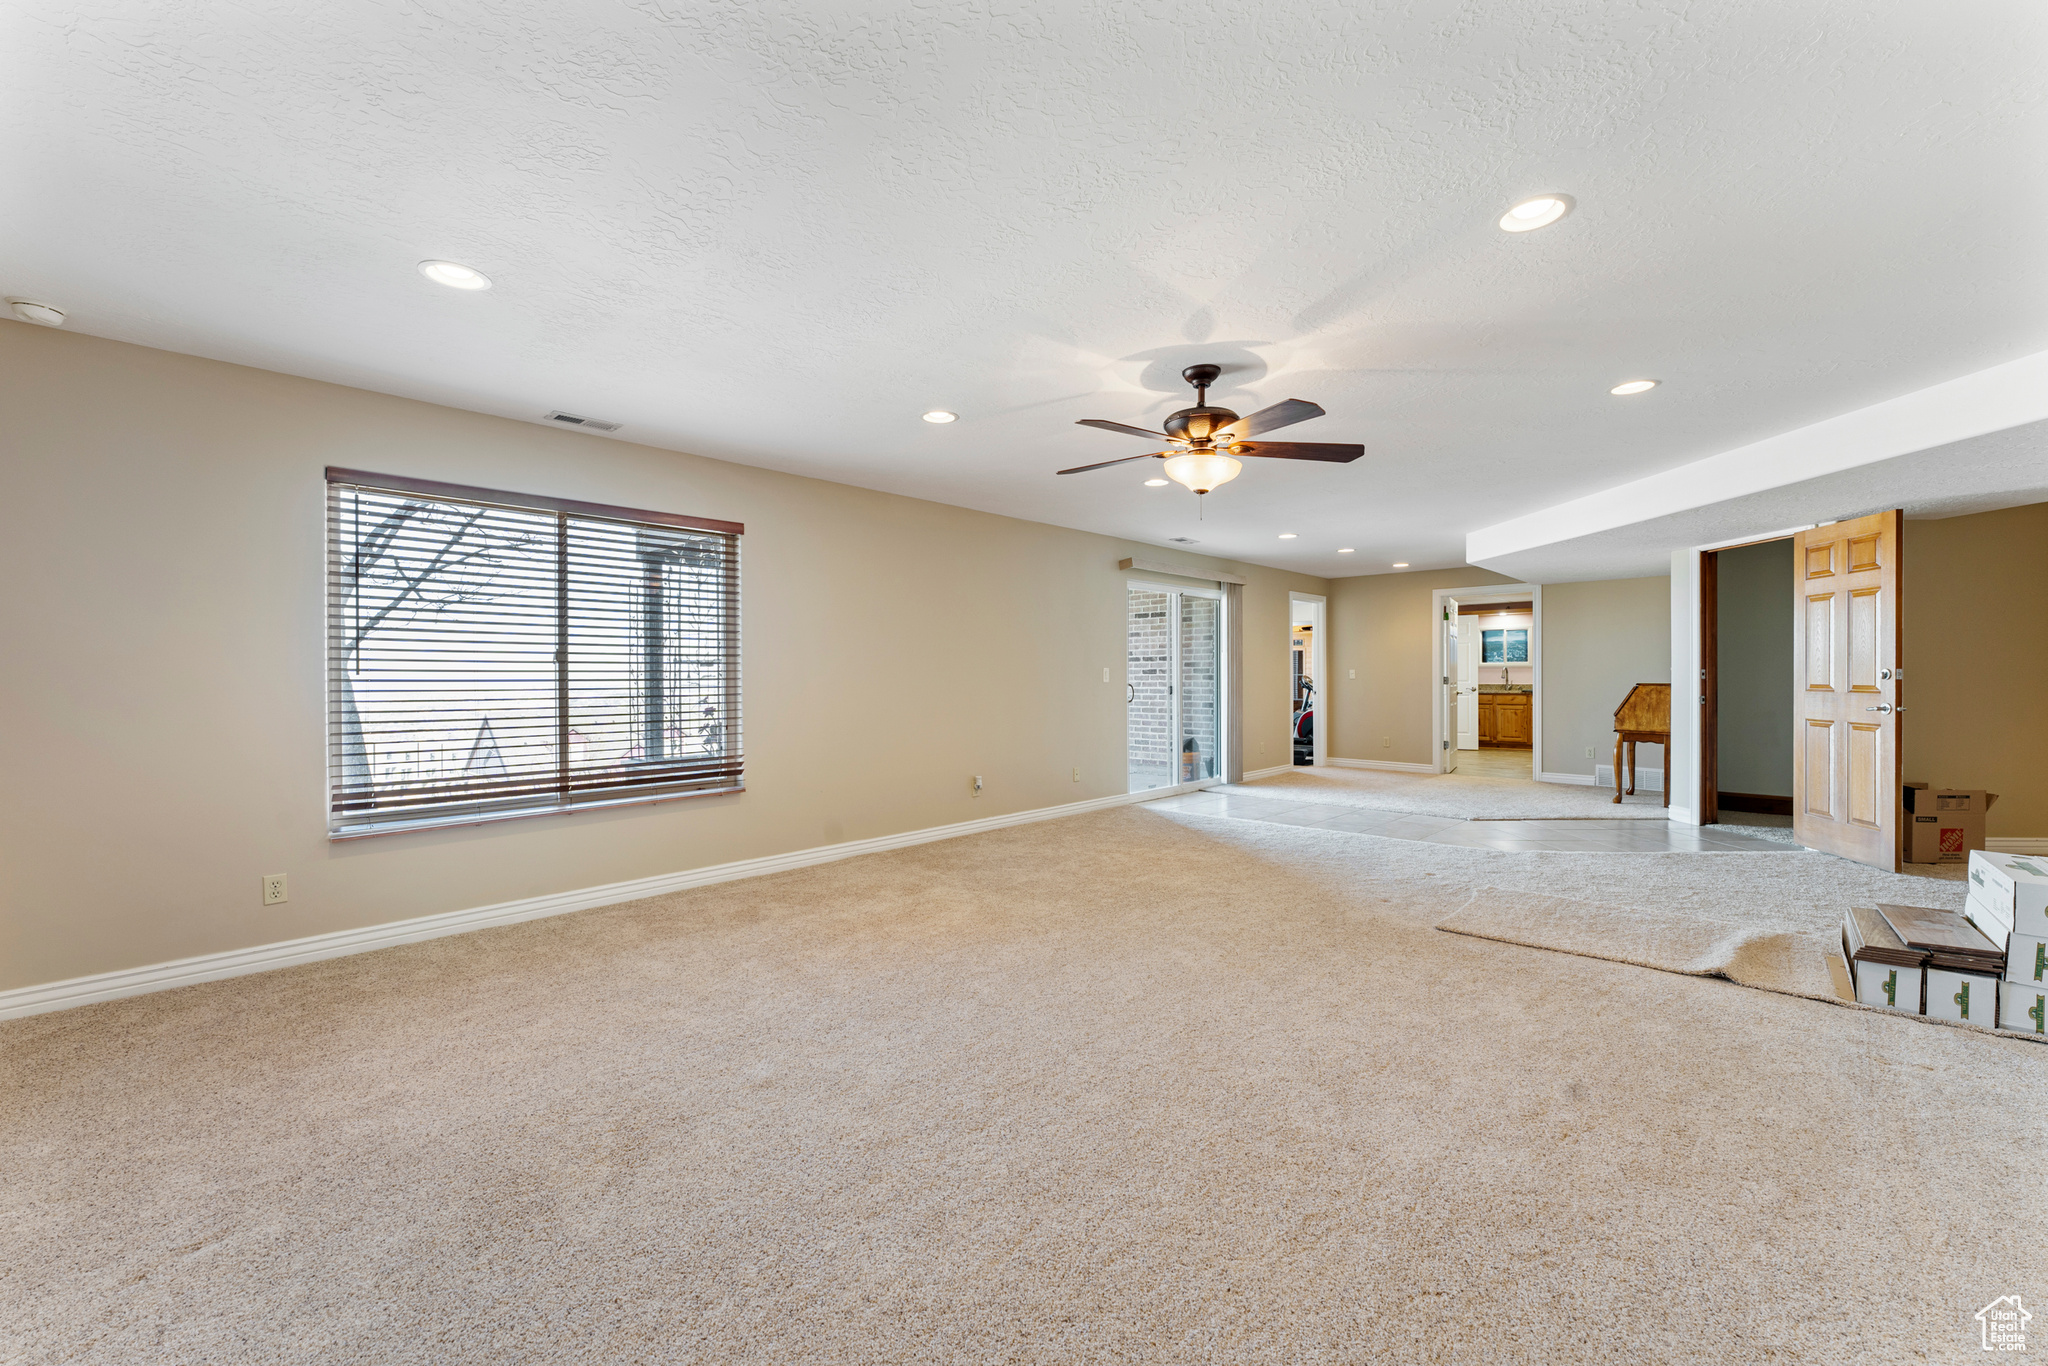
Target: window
492 654
1504 647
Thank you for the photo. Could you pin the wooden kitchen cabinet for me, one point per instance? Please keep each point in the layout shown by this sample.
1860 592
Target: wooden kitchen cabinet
1504 721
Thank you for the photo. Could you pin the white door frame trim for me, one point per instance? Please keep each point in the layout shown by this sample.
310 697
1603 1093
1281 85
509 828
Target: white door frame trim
1483 593
1319 656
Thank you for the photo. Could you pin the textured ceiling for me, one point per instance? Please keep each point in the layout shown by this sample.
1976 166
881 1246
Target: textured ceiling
777 232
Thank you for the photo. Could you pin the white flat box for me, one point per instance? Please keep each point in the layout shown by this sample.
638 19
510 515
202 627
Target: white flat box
1986 915
1881 984
1966 996
2023 1009
2026 961
2015 884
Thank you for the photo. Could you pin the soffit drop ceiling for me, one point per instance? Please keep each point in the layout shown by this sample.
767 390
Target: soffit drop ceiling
776 233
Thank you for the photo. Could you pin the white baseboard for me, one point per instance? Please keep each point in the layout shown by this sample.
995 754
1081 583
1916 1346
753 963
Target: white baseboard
1272 772
2017 846
1581 779
1388 764
212 967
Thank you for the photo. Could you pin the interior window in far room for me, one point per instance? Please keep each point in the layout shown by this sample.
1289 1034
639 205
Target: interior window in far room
1504 647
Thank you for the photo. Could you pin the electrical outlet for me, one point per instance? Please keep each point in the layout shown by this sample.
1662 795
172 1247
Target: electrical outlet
977 784
273 888
1105 675
1077 775
1354 673
1386 742
1589 751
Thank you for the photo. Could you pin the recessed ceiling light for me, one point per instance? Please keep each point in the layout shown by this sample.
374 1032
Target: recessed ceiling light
455 275
1539 212
30 311
1156 483
1400 564
1347 550
1286 535
941 415
1634 386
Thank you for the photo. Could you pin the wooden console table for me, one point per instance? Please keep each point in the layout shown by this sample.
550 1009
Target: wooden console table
1644 715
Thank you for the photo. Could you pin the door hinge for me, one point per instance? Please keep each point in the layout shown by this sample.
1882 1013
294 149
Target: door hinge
1703 699
1703 675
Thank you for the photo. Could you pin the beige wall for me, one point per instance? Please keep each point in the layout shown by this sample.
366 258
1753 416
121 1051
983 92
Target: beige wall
1380 626
1753 591
1599 640
1975 650
162 547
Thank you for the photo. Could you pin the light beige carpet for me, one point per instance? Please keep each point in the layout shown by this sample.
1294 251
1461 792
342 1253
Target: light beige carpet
1115 1088
1790 961
1456 795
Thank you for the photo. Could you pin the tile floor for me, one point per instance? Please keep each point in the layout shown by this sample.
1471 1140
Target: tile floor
1562 836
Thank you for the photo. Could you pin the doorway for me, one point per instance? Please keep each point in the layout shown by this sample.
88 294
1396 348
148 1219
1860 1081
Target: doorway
1489 665
1746 721
1174 688
1308 710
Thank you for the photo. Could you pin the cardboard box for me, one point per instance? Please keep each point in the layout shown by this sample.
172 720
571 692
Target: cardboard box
1942 824
1880 984
2026 960
1966 996
2024 1009
2015 887
1993 923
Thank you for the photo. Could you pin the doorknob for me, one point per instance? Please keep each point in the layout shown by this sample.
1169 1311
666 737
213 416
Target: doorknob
1130 693
1878 708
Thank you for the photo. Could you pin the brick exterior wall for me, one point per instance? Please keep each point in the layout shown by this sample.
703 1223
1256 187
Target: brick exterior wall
1148 665
1201 646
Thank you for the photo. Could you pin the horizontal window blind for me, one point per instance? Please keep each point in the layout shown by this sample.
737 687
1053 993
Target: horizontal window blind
494 655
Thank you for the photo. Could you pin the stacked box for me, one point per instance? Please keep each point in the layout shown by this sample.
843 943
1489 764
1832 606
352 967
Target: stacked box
1962 968
1887 973
2009 903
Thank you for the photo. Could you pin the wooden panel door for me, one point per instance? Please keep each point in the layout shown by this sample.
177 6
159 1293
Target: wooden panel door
1845 685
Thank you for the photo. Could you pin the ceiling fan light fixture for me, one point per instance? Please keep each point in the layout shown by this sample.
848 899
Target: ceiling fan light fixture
1634 386
941 415
1201 471
1156 483
1539 212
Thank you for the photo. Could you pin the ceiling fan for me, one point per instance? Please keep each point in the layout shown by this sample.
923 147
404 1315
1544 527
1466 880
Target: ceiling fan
1203 440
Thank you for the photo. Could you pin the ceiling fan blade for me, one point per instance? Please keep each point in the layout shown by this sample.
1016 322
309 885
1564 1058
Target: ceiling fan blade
1108 426
1299 450
1283 414
1083 469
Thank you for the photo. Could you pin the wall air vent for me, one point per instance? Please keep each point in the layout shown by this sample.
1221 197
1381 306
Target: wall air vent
595 424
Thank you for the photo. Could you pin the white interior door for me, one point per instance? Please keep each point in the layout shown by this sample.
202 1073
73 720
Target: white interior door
1453 673
1468 680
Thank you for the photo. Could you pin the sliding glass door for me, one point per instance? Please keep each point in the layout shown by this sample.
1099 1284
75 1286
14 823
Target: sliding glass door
1174 685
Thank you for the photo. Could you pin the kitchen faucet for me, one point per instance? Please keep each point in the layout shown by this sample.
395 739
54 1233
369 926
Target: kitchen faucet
1504 678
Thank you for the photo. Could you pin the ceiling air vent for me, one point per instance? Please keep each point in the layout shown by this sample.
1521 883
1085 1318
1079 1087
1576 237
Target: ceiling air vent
595 424
1183 540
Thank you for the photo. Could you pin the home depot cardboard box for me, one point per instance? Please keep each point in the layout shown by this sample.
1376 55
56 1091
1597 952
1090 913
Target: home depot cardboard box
1942 824
2023 1009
